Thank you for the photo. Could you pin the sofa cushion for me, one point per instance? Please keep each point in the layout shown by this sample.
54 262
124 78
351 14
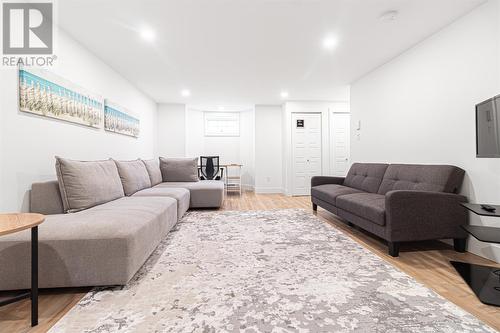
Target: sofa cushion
179 169
101 246
180 194
434 178
203 194
154 171
134 176
45 198
330 192
84 184
365 176
369 206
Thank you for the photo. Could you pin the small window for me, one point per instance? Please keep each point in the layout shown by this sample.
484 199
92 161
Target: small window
222 124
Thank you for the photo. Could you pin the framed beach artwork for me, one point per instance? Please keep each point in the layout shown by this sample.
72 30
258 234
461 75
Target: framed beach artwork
45 94
119 120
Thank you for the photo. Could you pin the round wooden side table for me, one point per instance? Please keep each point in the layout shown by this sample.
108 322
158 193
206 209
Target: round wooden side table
11 223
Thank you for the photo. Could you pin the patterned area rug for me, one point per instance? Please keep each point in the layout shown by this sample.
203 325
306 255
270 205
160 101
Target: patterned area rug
265 271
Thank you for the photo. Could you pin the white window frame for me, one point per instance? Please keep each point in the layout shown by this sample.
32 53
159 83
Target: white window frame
219 123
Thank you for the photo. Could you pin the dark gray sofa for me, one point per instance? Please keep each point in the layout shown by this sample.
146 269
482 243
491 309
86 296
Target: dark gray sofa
397 202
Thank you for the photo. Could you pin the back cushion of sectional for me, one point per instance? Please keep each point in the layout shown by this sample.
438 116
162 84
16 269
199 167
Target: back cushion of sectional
365 176
154 171
85 184
134 176
420 177
179 169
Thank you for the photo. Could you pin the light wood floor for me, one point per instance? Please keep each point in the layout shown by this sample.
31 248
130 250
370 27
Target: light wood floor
427 262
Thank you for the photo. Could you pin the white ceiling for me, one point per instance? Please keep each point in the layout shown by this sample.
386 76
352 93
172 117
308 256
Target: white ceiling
248 51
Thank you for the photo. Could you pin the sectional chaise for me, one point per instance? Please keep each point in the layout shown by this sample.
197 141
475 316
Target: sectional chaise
103 220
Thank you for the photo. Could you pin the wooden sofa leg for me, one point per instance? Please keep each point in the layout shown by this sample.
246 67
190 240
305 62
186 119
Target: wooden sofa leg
393 249
459 244
315 207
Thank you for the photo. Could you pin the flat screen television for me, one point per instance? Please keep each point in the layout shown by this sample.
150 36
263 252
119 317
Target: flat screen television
488 128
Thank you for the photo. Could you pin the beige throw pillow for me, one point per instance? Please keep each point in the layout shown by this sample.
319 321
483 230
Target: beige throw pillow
154 171
85 184
179 169
134 176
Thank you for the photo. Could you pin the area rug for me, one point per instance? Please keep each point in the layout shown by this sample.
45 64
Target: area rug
265 271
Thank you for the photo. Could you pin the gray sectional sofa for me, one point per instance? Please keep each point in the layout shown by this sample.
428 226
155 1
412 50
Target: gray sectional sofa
103 220
397 202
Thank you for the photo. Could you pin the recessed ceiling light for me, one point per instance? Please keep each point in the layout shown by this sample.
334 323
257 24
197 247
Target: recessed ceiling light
148 34
284 94
389 16
185 93
329 43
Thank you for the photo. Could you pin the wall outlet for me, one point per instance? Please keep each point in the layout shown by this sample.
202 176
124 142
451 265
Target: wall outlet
268 179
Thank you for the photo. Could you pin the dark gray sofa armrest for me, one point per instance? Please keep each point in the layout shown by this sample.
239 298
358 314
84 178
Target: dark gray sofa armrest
421 215
322 180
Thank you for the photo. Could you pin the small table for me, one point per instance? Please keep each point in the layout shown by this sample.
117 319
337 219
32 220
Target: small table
11 223
476 209
233 182
483 280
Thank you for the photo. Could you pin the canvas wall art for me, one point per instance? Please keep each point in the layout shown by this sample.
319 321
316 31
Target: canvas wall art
119 120
46 94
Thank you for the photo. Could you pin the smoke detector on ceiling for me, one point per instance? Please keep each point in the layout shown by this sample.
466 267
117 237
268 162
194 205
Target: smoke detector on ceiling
389 16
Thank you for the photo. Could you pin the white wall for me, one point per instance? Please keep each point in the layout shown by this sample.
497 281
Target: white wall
268 149
28 143
258 148
240 149
247 148
263 146
419 108
325 109
172 130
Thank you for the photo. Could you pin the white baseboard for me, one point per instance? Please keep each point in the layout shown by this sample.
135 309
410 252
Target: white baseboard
486 250
247 187
268 190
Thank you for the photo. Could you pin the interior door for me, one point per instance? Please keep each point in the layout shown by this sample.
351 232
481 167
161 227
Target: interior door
306 151
340 141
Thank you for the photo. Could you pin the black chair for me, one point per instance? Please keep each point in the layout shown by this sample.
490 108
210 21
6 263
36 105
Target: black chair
210 168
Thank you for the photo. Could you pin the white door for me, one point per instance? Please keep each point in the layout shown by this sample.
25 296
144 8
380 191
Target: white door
340 138
306 151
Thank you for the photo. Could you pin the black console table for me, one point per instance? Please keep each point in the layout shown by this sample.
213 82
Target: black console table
476 209
483 280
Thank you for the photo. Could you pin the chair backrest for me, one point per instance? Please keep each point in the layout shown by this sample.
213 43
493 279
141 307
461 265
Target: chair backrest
209 166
